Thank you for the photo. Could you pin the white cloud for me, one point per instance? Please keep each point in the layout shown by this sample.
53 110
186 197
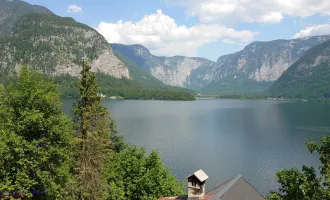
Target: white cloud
265 11
228 41
163 36
74 8
322 29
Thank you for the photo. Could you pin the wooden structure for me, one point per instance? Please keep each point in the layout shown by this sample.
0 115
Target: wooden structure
196 184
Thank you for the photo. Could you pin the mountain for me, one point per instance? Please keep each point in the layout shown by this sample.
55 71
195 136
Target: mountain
309 77
251 70
53 45
177 71
11 11
257 66
141 76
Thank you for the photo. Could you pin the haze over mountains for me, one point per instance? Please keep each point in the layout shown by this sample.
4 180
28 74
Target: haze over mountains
54 45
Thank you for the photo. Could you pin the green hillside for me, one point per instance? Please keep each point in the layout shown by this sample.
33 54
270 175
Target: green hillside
309 77
11 11
237 86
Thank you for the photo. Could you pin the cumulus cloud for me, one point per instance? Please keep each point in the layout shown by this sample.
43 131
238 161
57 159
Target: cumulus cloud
74 8
265 11
163 36
322 29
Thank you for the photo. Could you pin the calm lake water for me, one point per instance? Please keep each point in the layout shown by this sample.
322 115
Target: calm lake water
224 137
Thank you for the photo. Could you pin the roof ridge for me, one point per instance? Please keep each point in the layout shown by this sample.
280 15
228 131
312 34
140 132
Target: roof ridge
227 187
212 190
253 187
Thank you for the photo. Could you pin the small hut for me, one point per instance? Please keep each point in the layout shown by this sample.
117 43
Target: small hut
196 184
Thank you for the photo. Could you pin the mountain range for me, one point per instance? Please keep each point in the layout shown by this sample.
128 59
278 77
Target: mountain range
253 69
54 45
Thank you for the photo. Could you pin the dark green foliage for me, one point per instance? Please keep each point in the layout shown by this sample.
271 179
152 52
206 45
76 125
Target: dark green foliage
126 88
298 185
306 185
237 86
92 127
129 89
36 147
126 171
68 86
132 174
304 79
111 86
35 138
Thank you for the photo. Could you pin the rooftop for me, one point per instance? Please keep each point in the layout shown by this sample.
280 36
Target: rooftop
234 189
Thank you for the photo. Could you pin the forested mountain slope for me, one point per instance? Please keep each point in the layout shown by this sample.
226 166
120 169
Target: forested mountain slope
309 77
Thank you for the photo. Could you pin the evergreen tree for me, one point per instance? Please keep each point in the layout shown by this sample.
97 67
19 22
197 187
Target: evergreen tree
92 126
35 139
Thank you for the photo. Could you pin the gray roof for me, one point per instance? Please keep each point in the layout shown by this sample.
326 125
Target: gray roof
236 189
200 174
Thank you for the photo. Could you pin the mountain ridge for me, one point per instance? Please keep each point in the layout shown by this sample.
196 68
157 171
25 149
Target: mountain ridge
309 77
252 70
161 67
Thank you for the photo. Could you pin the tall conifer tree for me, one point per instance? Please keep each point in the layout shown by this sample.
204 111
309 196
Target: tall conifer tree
92 126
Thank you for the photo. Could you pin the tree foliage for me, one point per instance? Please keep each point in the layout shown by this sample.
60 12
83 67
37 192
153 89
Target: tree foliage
132 174
35 138
92 126
305 184
126 88
37 147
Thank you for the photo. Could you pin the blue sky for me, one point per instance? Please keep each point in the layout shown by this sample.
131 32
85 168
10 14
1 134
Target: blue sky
204 28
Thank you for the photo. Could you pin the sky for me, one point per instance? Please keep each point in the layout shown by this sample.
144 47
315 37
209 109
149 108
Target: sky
202 28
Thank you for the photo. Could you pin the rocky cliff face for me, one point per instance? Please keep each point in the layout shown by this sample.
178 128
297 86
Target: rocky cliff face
255 68
309 77
175 71
55 45
265 61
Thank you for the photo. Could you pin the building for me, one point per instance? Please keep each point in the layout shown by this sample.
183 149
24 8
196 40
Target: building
234 189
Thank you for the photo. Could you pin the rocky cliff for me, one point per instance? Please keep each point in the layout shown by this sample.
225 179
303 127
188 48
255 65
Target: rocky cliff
54 45
309 77
253 69
176 71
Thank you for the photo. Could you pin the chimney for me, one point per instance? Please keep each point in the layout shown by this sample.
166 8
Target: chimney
196 185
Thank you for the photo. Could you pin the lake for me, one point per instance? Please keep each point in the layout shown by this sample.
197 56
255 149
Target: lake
224 137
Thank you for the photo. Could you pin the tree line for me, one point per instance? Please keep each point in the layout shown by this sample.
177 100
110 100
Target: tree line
125 88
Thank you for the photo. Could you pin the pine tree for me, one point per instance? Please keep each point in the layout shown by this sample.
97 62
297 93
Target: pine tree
92 126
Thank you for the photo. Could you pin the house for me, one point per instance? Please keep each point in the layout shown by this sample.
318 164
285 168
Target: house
234 189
